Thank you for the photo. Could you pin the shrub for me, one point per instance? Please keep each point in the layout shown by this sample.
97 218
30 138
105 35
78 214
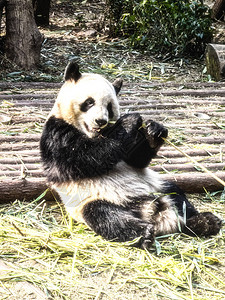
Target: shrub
177 27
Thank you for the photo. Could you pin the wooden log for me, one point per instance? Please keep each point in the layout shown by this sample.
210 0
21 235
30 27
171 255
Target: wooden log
166 152
26 174
47 99
32 103
209 140
18 147
19 160
28 167
28 153
159 85
148 105
196 183
215 61
163 162
180 115
19 138
31 97
187 167
35 170
29 85
179 102
23 120
184 92
29 189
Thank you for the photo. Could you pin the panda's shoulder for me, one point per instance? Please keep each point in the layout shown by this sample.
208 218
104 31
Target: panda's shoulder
56 129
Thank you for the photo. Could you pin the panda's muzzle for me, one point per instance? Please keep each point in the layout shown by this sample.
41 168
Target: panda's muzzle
101 122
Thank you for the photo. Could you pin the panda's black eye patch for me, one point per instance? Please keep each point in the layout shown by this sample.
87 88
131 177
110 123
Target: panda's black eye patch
110 110
87 104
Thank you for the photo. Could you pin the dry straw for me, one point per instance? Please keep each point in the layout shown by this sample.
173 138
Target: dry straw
37 246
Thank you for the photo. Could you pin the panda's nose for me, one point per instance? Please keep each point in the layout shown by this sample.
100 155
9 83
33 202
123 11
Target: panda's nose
100 122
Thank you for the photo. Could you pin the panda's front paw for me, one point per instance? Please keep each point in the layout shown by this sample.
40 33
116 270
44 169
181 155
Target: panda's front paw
154 133
131 122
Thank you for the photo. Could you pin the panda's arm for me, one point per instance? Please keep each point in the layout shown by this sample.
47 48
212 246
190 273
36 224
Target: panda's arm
149 137
68 154
140 141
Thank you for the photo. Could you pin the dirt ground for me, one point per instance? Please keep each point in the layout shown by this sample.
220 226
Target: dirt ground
78 30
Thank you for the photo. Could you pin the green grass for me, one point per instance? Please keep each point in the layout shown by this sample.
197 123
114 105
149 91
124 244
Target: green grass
37 246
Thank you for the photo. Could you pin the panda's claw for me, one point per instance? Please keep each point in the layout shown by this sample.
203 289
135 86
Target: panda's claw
148 236
154 133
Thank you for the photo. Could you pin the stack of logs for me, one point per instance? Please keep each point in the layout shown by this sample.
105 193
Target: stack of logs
194 115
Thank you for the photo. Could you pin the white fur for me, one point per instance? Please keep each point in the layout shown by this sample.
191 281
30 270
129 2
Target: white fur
119 187
123 184
73 94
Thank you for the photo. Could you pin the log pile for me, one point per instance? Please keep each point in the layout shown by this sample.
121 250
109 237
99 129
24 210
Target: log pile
194 115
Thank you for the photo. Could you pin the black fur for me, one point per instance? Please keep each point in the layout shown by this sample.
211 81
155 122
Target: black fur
110 111
203 224
140 142
197 224
117 223
72 72
117 84
87 104
183 206
69 155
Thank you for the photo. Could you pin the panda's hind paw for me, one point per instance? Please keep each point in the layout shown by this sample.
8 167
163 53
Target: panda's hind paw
147 238
203 224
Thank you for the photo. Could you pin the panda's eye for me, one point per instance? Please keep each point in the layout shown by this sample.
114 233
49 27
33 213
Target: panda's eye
110 110
87 104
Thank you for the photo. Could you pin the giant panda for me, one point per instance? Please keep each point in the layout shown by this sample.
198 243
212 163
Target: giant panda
97 161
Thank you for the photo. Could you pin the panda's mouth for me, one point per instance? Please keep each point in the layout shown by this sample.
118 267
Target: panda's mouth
94 130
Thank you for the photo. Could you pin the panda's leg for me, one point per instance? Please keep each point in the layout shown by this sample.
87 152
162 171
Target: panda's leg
183 206
195 223
117 223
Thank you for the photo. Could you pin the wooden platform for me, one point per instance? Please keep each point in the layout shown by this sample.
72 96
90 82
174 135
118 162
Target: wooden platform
194 115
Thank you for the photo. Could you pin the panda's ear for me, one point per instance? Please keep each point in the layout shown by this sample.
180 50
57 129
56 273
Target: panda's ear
117 84
72 72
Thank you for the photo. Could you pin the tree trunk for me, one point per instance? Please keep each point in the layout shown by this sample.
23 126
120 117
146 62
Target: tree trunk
41 12
218 9
23 39
215 61
2 5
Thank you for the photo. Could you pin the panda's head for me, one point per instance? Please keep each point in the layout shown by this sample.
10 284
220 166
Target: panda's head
87 101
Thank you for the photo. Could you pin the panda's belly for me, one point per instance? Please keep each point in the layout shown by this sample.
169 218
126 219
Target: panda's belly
119 187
